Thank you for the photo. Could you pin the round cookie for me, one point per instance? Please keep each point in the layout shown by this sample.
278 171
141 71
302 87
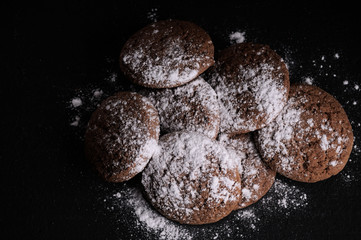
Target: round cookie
192 179
122 135
192 107
252 84
311 139
256 177
167 54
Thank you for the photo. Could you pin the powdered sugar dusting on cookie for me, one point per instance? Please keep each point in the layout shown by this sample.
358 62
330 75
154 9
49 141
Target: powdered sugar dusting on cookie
193 107
176 177
307 141
127 137
174 64
269 97
277 134
252 169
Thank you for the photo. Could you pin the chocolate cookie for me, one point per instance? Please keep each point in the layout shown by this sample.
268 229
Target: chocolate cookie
122 136
167 54
252 84
192 179
311 139
191 107
256 177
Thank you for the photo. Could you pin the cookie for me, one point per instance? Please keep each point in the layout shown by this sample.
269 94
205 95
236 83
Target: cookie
311 139
252 84
192 179
122 135
191 107
167 54
256 177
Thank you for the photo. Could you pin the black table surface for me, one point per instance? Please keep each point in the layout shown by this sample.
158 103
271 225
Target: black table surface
61 50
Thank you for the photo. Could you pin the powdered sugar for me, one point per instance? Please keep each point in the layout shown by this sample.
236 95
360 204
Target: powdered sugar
279 132
283 198
76 102
300 127
175 178
237 37
269 97
191 107
308 80
253 171
159 59
125 137
164 69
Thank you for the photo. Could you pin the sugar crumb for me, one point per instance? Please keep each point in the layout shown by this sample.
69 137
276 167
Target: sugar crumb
76 102
308 80
237 37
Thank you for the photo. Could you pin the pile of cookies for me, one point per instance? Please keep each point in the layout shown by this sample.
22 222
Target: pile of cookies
209 136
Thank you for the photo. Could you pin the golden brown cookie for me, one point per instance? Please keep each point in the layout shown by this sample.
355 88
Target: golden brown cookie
256 177
252 84
311 139
122 135
192 107
192 179
167 54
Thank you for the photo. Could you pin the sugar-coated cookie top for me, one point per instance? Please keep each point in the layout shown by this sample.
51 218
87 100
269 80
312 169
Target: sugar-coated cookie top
311 139
192 179
256 177
193 107
252 85
122 136
167 54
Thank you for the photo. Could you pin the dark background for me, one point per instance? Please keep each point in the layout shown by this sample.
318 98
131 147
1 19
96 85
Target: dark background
49 190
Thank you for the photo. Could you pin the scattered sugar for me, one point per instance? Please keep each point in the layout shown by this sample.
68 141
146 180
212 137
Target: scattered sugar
308 80
75 123
345 82
284 197
76 102
112 77
354 103
152 15
357 87
237 37
336 56
97 93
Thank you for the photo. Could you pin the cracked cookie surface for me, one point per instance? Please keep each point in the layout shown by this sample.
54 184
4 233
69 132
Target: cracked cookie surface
192 179
311 140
